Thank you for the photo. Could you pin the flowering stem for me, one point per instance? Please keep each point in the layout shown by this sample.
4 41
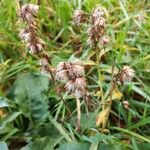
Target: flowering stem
38 2
65 103
111 93
98 70
78 114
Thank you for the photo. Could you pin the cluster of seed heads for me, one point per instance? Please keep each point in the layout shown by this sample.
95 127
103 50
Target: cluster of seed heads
96 34
72 73
125 74
96 31
29 35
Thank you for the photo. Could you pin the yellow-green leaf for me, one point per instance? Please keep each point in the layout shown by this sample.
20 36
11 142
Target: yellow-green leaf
102 116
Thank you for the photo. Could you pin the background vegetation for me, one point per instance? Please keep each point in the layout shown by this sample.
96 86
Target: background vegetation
32 116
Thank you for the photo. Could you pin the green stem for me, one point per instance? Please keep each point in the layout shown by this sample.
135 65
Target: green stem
98 71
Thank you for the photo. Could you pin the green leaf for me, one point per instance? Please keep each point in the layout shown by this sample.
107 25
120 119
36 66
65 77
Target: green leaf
86 146
45 143
144 146
103 146
133 134
60 128
88 118
29 95
8 119
3 102
9 134
3 146
139 91
74 146
142 122
64 12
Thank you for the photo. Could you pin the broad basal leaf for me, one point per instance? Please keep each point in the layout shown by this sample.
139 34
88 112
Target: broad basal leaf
29 95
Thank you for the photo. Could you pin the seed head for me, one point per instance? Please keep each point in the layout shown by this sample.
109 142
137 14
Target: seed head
79 17
73 74
80 94
126 74
104 40
70 87
25 35
80 83
99 24
28 12
35 46
43 62
97 13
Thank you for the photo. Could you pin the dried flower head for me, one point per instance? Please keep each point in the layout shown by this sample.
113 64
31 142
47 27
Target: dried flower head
97 13
92 39
25 35
43 62
70 86
28 12
77 87
73 74
101 22
76 71
97 29
69 70
104 40
79 17
126 74
94 35
80 83
80 93
35 46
